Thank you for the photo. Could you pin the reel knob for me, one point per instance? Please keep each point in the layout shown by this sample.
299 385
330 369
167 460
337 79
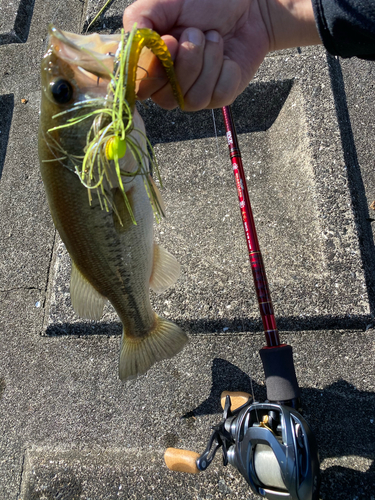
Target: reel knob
181 460
237 399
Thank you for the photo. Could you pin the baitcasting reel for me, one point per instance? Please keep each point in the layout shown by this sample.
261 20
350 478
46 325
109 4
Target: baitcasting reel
270 444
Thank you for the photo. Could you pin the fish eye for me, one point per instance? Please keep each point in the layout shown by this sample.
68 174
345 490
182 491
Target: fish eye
62 91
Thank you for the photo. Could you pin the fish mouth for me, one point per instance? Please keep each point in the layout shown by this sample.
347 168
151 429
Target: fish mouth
91 53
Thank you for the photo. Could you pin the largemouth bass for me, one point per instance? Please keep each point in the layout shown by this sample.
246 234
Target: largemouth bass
99 189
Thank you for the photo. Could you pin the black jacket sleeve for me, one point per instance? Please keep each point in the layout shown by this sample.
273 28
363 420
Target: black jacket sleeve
347 27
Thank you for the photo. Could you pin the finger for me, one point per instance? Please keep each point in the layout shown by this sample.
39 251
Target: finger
200 93
228 86
155 14
130 17
188 66
135 14
151 74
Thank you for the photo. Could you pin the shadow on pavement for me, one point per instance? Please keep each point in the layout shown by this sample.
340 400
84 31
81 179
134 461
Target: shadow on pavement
236 325
267 100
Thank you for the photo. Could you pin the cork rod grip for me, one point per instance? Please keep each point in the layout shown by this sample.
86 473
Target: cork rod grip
181 460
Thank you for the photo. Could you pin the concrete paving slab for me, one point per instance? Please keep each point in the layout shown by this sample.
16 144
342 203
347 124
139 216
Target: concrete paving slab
15 18
77 425
69 428
110 20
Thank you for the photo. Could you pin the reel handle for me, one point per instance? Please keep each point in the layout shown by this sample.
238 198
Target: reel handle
181 460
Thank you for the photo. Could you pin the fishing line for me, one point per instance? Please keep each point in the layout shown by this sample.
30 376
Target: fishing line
217 139
251 378
253 396
101 11
243 325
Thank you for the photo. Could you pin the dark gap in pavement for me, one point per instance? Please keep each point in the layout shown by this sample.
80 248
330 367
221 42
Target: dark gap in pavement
21 28
6 115
237 325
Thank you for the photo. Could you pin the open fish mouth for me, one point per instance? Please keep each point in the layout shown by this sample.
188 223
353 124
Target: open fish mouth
91 53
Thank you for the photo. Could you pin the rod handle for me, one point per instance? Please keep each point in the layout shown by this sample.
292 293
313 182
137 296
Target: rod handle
181 460
237 399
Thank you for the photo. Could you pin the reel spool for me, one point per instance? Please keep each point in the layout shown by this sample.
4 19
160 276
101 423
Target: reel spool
271 445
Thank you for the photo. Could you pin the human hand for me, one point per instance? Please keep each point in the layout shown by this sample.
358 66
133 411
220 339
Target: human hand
217 45
212 46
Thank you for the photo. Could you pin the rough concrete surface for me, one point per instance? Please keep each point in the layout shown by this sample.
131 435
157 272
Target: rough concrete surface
69 429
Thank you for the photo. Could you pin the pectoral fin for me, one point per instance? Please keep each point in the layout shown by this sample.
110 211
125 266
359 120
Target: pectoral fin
165 271
86 301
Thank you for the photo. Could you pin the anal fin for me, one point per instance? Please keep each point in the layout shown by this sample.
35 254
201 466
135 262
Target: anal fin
165 271
86 301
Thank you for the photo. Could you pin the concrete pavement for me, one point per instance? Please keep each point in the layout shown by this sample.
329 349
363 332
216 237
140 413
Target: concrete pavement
69 429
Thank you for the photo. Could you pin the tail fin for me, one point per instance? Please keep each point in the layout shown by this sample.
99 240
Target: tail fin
137 355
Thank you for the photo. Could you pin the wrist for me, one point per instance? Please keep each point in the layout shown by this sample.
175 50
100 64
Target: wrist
290 23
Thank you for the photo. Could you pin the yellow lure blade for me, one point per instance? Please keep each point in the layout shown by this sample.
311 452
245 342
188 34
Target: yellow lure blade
114 146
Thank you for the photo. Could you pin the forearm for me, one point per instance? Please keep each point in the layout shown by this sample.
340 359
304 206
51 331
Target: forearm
290 23
346 27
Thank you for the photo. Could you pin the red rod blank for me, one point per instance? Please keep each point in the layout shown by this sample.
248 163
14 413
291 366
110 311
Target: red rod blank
255 257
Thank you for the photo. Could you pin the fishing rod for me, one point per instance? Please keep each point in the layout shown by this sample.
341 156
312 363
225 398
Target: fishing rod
269 443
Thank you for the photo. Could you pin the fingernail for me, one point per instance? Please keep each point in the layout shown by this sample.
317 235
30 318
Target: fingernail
195 36
213 36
